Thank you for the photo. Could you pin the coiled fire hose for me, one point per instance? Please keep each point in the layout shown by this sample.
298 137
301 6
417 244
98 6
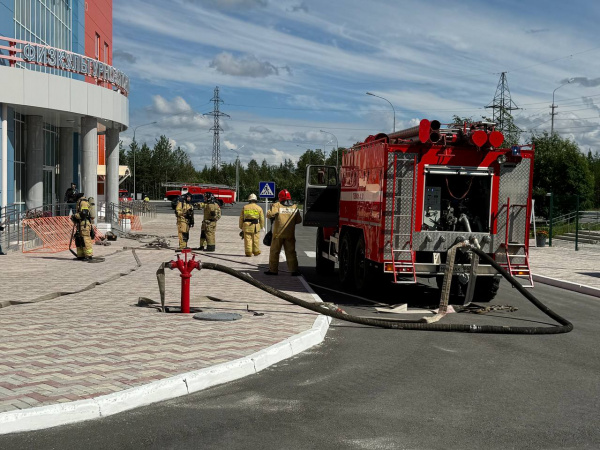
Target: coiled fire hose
326 309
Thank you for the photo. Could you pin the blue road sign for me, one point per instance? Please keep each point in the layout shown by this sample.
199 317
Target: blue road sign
266 189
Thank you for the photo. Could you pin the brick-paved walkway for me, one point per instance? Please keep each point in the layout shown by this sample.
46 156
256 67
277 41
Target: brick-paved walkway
98 342
562 262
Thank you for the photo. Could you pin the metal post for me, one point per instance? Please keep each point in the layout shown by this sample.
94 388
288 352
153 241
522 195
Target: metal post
266 211
237 180
4 156
551 208
577 225
337 159
552 114
393 109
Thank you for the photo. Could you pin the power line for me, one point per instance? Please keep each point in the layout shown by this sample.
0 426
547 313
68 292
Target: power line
216 129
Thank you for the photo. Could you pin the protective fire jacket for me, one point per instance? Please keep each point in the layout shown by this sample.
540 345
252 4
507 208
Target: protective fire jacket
252 218
85 211
182 211
285 222
212 211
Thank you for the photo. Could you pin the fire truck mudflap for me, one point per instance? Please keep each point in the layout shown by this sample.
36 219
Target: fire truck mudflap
402 200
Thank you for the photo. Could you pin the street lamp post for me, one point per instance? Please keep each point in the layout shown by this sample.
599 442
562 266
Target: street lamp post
237 173
370 93
554 106
134 130
337 160
551 195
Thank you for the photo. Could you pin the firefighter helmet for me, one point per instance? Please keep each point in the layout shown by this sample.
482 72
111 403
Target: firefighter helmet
209 197
252 198
284 195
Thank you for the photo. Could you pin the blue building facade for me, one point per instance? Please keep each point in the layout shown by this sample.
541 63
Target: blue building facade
55 100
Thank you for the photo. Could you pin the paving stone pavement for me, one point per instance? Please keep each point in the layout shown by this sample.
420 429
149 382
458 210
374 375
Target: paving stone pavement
562 262
98 342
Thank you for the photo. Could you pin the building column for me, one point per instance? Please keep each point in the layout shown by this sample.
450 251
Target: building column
89 159
4 157
34 162
111 187
65 161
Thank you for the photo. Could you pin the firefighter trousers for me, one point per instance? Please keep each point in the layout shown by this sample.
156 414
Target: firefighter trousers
252 243
183 230
289 246
87 250
208 233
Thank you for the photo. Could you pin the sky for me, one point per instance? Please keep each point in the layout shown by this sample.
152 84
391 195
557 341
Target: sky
293 74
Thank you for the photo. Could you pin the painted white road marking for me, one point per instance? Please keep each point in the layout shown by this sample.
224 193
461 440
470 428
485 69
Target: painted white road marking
311 254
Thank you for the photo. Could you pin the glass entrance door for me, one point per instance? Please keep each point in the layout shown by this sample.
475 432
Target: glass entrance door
49 185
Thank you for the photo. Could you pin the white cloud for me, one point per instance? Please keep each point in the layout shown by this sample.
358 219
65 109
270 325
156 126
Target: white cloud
438 61
245 66
163 106
232 4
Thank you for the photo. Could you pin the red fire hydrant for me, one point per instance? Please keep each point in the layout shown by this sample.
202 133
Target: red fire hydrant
185 266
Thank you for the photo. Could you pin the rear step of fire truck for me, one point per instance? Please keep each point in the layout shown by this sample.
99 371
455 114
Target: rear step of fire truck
517 269
403 258
511 252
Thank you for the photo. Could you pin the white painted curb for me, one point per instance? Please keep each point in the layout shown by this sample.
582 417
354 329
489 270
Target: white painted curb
65 413
569 285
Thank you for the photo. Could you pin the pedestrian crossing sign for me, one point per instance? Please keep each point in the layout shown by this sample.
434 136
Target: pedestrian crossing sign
266 189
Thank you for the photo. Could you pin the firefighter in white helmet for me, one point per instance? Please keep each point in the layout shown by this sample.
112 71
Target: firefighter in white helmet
285 217
252 220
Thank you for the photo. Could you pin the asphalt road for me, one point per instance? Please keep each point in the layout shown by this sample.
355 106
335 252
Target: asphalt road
369 388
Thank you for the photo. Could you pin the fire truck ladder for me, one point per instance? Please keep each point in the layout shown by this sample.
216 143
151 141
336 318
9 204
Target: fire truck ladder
403 259
511 250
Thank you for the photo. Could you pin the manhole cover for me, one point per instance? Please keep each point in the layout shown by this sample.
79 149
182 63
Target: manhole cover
217 317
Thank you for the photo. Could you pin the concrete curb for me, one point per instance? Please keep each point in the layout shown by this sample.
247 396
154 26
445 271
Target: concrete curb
569 285
65 413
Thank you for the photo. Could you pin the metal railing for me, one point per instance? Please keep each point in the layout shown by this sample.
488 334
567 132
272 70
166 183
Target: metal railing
11 219
112 212
582 220
15 234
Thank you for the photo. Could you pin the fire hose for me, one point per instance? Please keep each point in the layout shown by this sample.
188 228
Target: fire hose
332 310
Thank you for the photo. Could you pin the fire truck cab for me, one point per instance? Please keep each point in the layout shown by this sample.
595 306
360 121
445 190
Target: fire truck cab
401 201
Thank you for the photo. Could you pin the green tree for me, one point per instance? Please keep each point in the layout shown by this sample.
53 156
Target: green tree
561 168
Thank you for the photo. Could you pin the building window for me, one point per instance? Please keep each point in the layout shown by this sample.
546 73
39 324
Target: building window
97 49
44 22
106 53
19 159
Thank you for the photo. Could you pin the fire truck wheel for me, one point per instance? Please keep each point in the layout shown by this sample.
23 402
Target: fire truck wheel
486 289
360 265
346 260
324 265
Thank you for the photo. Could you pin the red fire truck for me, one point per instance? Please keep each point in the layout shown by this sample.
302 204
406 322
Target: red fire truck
224 194
401 200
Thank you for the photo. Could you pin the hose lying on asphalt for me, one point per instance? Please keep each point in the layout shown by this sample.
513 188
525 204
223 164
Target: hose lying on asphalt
332 311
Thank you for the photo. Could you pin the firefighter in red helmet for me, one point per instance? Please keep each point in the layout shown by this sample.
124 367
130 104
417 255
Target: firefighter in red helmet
285 217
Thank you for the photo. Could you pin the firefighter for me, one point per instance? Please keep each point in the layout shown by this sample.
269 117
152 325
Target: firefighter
185 219
252 220
83 218
212 213
146 203
285 217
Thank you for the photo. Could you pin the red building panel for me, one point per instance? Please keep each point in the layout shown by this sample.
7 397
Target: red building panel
98 31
